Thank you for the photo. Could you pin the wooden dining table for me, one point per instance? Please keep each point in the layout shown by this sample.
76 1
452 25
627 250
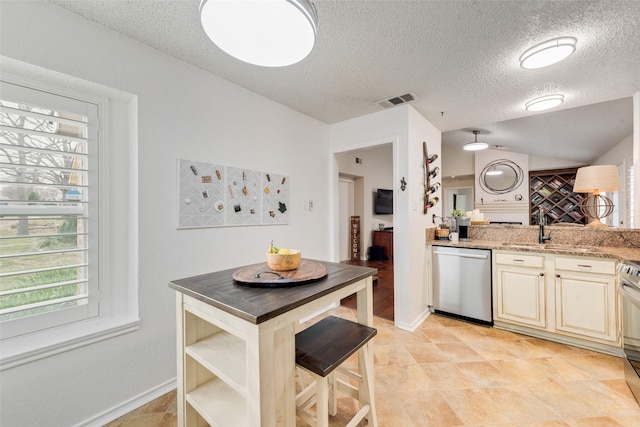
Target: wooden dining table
236 341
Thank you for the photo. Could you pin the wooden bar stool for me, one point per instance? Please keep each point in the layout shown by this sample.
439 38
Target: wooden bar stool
321 349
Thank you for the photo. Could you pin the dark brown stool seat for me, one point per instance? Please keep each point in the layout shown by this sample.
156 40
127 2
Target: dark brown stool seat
321 349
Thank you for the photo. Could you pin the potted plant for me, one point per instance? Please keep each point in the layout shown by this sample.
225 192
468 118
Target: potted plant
453 222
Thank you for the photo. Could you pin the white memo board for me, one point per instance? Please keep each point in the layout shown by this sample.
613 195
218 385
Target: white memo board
212 195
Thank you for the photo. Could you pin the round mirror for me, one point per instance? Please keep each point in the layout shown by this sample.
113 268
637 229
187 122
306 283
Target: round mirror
501 176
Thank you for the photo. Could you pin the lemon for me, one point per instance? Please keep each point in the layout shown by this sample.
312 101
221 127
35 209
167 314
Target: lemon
284 251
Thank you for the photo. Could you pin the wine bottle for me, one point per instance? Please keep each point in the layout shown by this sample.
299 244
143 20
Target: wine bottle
434 172
435 187
433 201
432 158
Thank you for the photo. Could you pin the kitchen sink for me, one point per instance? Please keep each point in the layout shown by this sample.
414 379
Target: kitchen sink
570 248
531 246
551 246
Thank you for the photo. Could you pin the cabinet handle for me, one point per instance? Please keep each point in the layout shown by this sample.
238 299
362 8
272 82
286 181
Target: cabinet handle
558 276
584 266
541 274
517 260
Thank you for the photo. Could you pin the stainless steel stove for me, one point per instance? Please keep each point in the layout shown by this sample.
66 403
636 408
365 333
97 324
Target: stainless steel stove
629 287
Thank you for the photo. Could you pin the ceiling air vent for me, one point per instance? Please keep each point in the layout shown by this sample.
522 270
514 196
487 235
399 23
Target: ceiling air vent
397 100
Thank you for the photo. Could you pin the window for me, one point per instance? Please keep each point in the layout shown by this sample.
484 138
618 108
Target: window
48 213
68 213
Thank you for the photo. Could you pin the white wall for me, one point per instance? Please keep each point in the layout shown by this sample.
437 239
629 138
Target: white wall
503 207
485 157
636 161
456 161
407 130
183 112
623 150
417 300
538 163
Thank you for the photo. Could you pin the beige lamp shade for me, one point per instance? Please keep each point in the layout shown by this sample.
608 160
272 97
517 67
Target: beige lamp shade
596 179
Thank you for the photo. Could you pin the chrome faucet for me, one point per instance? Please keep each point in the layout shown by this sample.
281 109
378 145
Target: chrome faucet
541 237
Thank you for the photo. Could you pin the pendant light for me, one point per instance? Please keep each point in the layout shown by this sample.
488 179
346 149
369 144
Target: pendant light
269 33
493 171
475 145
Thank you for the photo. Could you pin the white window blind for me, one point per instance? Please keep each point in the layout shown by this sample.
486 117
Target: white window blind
48 210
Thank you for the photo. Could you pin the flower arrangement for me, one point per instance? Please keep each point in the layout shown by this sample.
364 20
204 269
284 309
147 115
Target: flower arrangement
457 213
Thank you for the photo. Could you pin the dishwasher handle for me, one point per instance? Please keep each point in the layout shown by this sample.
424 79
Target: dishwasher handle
629 291
461 255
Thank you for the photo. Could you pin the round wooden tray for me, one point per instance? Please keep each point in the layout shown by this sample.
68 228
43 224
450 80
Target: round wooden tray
262 275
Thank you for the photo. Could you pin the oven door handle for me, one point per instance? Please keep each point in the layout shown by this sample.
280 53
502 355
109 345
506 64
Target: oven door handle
629 291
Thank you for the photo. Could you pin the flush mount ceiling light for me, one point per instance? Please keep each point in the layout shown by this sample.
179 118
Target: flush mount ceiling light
269 33
544 102
547 53
475 145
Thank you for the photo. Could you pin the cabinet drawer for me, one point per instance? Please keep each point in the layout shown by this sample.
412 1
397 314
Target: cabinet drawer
586 265
520 260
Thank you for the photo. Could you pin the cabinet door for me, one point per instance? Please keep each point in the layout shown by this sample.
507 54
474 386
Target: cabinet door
586 305
520 296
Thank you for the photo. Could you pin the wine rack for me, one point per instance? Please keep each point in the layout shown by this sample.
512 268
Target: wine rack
430 199
552 190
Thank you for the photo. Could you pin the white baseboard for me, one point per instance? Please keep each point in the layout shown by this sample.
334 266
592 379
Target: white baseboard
415 324
129 405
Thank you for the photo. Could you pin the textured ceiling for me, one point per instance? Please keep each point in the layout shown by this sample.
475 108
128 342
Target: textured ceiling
459 57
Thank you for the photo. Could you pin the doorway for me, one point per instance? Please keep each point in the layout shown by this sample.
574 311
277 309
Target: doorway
361 172
457 198
346 210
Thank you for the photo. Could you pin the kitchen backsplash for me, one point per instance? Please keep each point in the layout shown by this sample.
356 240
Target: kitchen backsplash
567 235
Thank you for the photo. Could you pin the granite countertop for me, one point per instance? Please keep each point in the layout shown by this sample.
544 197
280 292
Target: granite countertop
616 243
617 253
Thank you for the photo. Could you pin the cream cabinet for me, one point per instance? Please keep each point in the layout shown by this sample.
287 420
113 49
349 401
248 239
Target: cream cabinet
586 297
519 289
574 297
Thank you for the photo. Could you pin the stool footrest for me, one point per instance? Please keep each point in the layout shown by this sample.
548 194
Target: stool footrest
348 389
359 416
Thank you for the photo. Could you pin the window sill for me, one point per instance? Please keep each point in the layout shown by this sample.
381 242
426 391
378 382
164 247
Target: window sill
29 348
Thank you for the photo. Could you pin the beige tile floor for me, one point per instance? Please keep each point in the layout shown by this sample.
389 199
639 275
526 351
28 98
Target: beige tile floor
452 373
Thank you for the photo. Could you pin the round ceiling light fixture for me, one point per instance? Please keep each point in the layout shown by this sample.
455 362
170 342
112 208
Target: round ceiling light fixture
544 102
475 145
547 53
273 33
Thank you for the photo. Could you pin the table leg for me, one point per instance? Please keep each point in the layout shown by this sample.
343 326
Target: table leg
365 356
365 303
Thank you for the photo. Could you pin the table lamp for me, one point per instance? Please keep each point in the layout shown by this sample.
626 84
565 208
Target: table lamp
593 180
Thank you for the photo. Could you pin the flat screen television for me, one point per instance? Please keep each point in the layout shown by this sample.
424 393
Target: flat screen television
384 202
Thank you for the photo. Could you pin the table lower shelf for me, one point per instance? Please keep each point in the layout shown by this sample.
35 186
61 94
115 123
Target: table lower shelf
219 404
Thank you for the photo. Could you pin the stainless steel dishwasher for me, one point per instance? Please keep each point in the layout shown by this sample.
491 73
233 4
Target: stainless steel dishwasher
462 283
